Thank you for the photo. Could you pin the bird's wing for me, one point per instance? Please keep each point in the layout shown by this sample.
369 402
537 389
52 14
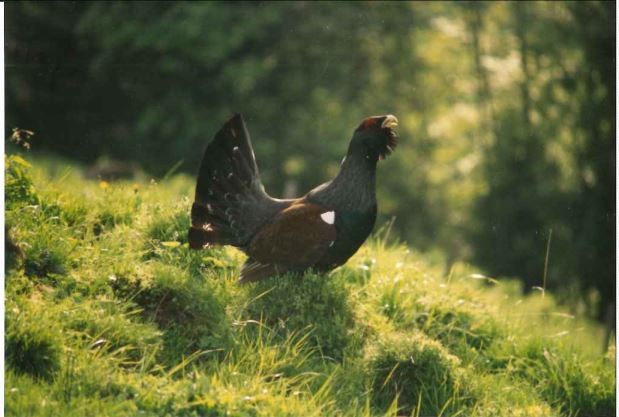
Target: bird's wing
296 239
230 202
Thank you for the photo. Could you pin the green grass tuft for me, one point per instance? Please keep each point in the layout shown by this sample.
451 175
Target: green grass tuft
186 309
564 378
33 344
412 370
312 303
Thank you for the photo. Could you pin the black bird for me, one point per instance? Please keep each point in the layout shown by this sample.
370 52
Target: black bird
320 230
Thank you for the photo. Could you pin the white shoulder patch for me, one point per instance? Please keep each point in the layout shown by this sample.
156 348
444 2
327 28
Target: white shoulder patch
328 217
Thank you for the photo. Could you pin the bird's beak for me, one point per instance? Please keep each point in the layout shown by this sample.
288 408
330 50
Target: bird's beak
389 122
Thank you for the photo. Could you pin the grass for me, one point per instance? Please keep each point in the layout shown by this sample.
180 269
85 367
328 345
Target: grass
109 313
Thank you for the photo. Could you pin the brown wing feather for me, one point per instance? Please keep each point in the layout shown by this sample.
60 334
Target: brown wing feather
296 239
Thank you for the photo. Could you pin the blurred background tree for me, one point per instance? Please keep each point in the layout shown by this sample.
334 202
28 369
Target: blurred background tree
507 110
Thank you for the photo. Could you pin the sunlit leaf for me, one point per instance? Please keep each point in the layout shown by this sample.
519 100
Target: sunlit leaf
171 244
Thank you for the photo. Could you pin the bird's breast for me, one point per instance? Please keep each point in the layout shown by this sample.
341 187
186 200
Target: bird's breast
353 228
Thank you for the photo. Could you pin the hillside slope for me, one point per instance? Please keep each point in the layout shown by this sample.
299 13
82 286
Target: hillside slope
110 314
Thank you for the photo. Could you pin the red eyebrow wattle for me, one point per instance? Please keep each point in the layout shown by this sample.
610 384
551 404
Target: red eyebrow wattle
367 123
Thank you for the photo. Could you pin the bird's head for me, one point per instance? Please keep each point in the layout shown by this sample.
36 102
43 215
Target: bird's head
375 137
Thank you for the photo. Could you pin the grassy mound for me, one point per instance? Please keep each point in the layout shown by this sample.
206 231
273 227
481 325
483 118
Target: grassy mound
417 372
109 313
307 304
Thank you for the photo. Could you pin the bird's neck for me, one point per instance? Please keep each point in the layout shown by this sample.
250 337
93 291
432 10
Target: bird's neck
354 187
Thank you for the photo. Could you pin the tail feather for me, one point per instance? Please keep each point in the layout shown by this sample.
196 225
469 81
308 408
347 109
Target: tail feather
230 152
202 238
230 201
253 271
202 216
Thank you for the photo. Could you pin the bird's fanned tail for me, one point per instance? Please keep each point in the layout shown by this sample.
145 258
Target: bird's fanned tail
230 201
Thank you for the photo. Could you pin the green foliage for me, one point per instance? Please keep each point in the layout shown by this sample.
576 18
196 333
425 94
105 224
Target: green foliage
564 379
128 321
27 397
457 324
311 303
32 345
103 325
172 228
185 308
18 187
539 173
453 319
500 394
112 214
47 257
415 371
